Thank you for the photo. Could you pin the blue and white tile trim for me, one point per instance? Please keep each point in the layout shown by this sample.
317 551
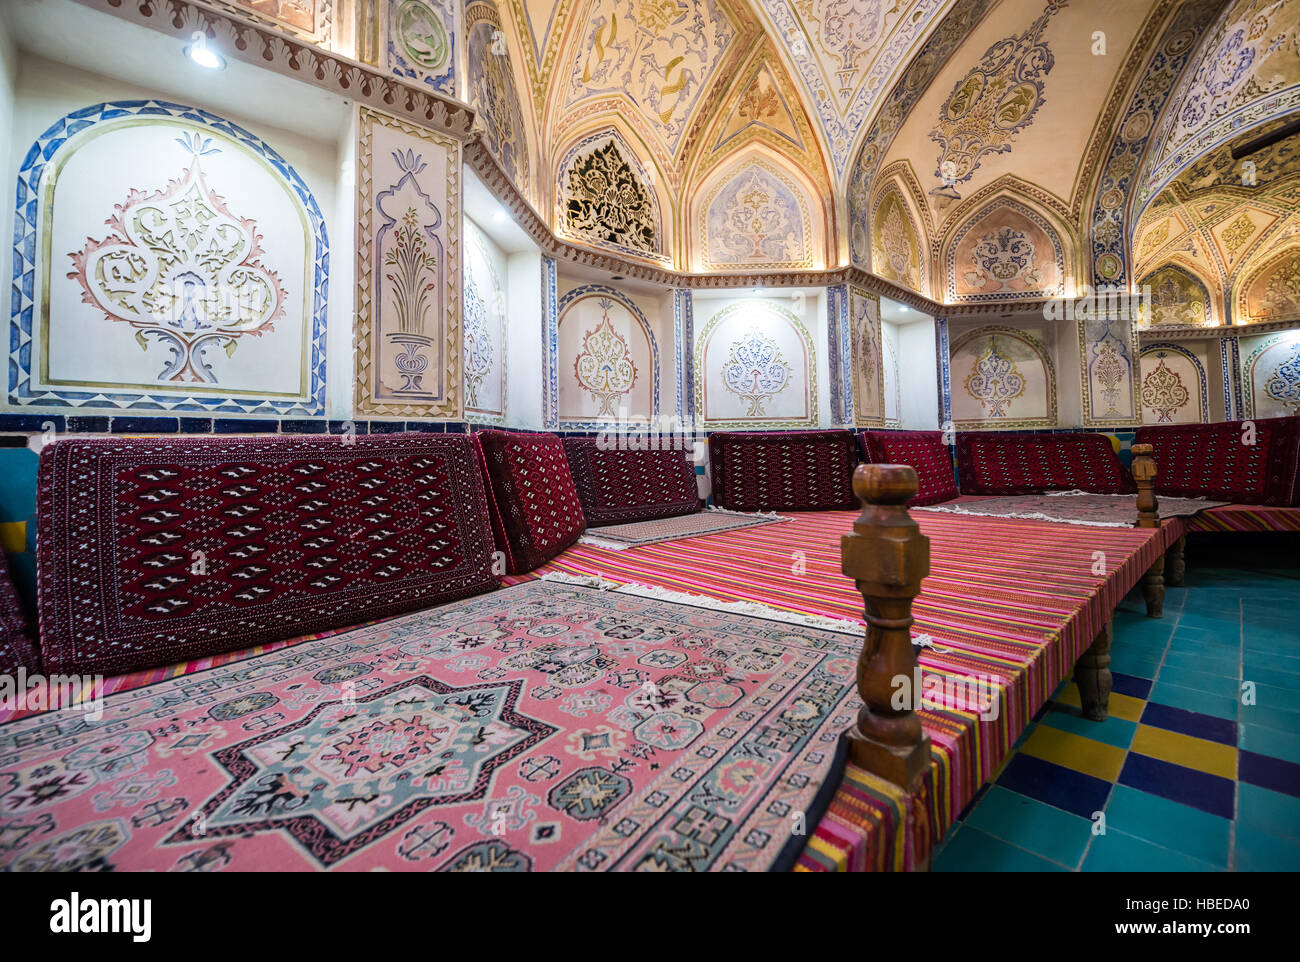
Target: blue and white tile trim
26 222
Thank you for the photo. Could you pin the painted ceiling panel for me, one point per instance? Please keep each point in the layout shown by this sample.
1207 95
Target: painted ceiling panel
1020 98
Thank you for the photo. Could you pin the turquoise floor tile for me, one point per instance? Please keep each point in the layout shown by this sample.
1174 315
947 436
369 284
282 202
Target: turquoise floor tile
1225 666
1198 640
1029 824
1282 699
971 850
1113 731
1269 717
1117 851
1189 699
1200 681
1282 680
1170 825
1257 851
1274 661
1268 811
1129 663
1269 741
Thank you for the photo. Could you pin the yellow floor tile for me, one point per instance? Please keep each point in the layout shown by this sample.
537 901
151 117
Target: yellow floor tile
1186 750
13 537
1075 752
1121 706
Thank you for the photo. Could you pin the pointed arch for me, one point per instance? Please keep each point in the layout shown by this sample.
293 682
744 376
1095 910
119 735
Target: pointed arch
607 196
759 211
1006 249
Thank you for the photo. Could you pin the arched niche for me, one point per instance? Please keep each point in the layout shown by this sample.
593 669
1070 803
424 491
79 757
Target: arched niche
1006 250
606 198
608 359
756 214
1177 297
1173 385
1002 377
176 261
755 367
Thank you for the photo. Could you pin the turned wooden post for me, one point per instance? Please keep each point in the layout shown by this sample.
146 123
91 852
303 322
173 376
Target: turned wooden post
1092 675
1176 563
887 556
1144 473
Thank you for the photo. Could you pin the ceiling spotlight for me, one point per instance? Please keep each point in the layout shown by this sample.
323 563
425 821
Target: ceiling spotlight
499 217
203 55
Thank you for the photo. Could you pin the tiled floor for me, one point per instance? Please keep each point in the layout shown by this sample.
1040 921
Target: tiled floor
1189 775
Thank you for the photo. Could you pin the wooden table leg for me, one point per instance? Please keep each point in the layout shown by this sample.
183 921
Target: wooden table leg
1153 587
1176 563
1092 674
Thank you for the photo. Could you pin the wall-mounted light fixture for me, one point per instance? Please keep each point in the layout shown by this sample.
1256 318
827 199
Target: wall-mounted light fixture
203 55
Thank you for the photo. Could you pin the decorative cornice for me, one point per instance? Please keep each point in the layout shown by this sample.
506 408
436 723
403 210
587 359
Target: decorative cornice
264 46
1191 332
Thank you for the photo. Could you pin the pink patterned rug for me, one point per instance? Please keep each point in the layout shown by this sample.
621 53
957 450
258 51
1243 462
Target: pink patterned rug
636 533
545 726
1095 510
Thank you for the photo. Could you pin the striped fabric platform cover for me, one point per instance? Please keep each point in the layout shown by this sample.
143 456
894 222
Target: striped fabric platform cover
1010 599
1247 517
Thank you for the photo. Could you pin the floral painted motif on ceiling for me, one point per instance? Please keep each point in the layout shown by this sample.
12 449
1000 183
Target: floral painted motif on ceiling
183 270
755 371
757 218
604 367
1255 53
922 68
421 42
605 202
897 251
996 99
1007 251
1176 297
1163 391
493 94
847 51
1273 291
658 54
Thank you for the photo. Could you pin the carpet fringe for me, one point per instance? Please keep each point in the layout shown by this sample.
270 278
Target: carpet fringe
1021 515
752 608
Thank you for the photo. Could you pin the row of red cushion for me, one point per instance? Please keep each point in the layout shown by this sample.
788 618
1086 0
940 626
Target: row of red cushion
153 551
1250 462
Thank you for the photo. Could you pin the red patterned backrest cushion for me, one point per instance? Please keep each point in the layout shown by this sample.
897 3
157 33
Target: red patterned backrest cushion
16 648
617 486
997 463
924 451
783 470
151 551
1213 461
535 509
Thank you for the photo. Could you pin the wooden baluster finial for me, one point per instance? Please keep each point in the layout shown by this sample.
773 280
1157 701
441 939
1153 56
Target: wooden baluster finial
1144 473
887 556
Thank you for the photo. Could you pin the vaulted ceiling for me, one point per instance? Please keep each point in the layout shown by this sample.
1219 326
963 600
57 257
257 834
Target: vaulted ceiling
955 103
